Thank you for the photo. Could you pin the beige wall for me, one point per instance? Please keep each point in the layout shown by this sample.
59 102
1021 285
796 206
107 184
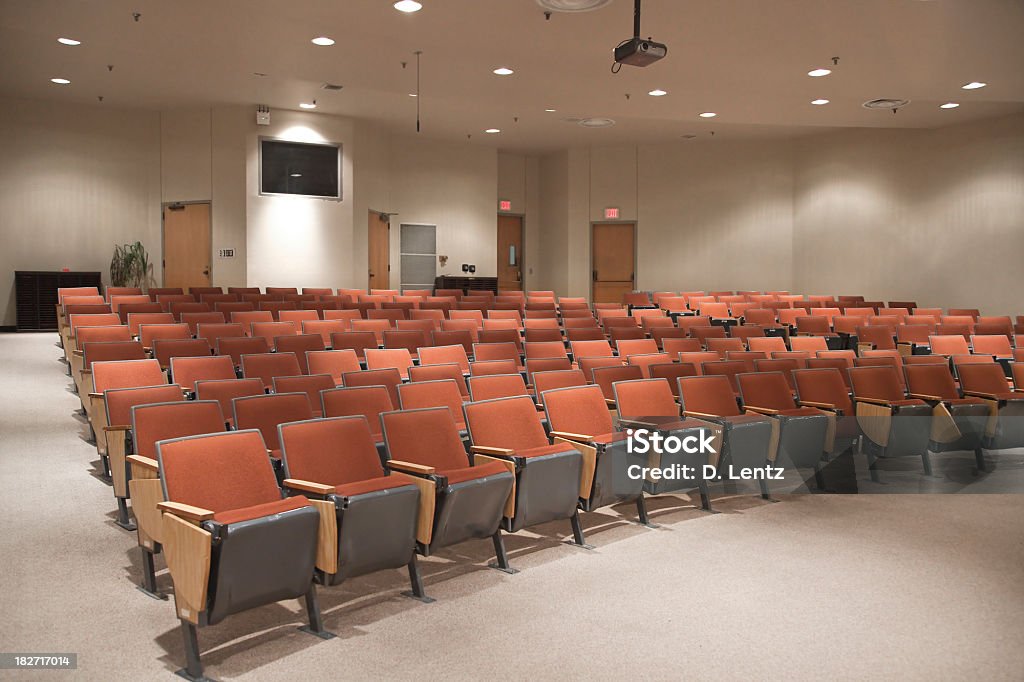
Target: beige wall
935 216
299 241
715 215
451 186
553 237
74 181
519 182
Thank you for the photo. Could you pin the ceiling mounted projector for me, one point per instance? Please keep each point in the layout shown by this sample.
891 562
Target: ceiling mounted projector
638 51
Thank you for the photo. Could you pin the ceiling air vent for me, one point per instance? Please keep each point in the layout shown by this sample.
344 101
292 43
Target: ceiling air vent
330 86
596 122
885 103
570 6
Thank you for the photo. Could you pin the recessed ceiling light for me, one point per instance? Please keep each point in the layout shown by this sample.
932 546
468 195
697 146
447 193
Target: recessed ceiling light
322 40
657 92
307 105
413 94
974 85
819 102
549 110
492 130
949 105
572 5
60 81
708 114
503 71
296 175
408 6
69 41
596 122
818 73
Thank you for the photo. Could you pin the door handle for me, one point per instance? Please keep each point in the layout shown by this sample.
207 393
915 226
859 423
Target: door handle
371 274
207 271
595 275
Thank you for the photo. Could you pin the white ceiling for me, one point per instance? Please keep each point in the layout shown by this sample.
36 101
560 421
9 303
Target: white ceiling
744 59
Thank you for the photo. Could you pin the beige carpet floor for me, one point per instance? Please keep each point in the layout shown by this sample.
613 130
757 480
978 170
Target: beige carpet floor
844 587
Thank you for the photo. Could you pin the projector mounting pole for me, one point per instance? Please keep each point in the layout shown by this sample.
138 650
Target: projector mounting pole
636 19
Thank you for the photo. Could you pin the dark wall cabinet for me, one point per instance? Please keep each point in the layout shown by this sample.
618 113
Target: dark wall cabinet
36 296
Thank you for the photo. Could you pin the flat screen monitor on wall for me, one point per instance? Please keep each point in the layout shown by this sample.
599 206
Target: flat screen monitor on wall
299 168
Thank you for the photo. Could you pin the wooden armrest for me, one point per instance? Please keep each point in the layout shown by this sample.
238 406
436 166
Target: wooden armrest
872 401
702 415
185 511
78 353
925 396
484 450
117 428
609 402
982 394
820 406
578 437
95 395
410 468
308 486
761 410
144 462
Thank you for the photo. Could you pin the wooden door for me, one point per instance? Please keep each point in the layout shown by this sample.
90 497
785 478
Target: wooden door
378 235
613 261
510 252
187 246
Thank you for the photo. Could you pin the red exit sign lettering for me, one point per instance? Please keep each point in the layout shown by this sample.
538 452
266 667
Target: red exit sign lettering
611 213
504 205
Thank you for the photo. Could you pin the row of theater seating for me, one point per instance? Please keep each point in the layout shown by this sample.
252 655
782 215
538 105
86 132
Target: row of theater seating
535 451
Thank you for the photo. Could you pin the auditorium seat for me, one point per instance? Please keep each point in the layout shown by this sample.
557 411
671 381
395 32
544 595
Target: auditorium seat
449 370
266 366
187 370
548 477
490 387
806 434
116 374
439 393
388 377
148 333
766 344
462 337
650 404
894 425
373 517
119 403
310 384
469 501
1005 426
489 367
547 381
948 345
826 389
749 439
442 355
221 486
579 416
165 349
958 422
237 346
265 412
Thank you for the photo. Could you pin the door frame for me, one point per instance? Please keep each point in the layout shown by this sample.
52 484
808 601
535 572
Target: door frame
590 249
522 240
387 241
163 235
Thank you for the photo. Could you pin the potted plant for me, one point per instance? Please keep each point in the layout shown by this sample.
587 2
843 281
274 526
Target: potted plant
130 266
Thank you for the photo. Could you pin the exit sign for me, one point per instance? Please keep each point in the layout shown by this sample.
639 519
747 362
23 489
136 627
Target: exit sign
504 205
611 213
